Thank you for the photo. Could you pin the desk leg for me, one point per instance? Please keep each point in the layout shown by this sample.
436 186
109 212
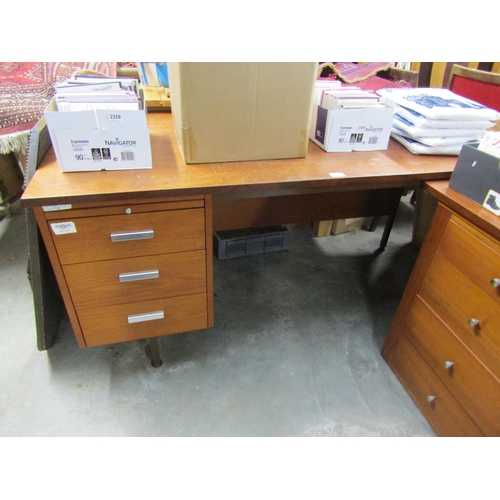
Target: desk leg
390 221
154 350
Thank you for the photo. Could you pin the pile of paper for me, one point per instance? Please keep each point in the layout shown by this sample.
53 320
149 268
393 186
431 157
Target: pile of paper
339 97
436 121
87 92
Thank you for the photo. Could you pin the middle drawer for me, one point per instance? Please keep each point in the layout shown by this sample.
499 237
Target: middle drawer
121 281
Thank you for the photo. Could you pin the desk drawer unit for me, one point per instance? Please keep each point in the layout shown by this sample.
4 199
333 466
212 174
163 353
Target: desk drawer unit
449 319
133 271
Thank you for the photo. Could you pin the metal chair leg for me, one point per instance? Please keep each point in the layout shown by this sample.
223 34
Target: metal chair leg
154 350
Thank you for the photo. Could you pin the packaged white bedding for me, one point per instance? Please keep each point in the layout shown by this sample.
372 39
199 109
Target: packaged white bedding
417 131
439 141
421 121
437 104
418 148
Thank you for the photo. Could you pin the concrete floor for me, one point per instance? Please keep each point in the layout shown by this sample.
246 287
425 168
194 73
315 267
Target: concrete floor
295 351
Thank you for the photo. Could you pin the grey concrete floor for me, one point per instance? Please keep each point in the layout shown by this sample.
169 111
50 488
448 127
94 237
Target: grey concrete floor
295 351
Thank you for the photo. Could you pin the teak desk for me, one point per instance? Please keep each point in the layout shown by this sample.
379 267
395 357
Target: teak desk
140 262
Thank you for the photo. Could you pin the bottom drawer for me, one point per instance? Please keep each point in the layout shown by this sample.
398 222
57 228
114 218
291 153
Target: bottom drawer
140 320
439 407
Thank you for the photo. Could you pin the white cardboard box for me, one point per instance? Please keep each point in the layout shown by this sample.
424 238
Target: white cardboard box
241 110
364 129
99 139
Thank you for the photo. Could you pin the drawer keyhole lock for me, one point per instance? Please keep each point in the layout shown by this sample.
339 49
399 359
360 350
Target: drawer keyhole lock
448 365
473 322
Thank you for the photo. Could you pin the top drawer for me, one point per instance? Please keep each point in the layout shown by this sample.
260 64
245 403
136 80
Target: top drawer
89 239
476 255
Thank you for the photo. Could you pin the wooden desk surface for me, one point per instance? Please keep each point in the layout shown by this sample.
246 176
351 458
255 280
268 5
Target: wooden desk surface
468 209
170 175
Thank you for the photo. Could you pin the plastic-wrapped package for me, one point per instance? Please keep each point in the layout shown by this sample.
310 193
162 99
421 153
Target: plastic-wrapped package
421 121
418 148
438 104
438 140
416 131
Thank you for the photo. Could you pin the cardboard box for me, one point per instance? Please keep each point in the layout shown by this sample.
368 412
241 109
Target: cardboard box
99 139
477 176
340 226
241 111
364 129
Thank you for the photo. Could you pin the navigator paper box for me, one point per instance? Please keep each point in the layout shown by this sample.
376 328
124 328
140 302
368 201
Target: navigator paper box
241 111
99 139
363 129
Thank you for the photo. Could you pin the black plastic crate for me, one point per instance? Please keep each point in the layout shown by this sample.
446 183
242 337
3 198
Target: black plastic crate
242 242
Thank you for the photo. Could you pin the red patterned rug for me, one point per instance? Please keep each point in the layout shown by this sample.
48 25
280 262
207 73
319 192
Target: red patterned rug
26 89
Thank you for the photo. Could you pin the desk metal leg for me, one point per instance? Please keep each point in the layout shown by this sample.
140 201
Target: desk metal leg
154 350
390 221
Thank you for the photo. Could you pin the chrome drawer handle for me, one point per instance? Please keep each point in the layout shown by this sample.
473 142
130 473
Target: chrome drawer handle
140 275
134 235
495 282
473 322
448 365
139 318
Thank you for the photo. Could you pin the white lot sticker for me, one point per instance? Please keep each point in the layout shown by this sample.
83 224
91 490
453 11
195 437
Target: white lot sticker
114 117
63 227
56 208
337 174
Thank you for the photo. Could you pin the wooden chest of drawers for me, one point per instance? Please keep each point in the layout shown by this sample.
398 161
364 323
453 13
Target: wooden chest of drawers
132 271
444 344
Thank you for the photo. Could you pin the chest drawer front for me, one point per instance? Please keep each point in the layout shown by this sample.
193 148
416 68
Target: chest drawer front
472 314
474 254
154 318
439 407
474 386
137 234
112 282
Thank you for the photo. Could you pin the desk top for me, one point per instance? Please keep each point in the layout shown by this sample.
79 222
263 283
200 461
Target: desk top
171 176
468 209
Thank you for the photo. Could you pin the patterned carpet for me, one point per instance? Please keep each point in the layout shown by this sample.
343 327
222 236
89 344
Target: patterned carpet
26 89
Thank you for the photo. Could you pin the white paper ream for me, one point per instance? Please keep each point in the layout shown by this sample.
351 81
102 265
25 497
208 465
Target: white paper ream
421 149
421 121
437 104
